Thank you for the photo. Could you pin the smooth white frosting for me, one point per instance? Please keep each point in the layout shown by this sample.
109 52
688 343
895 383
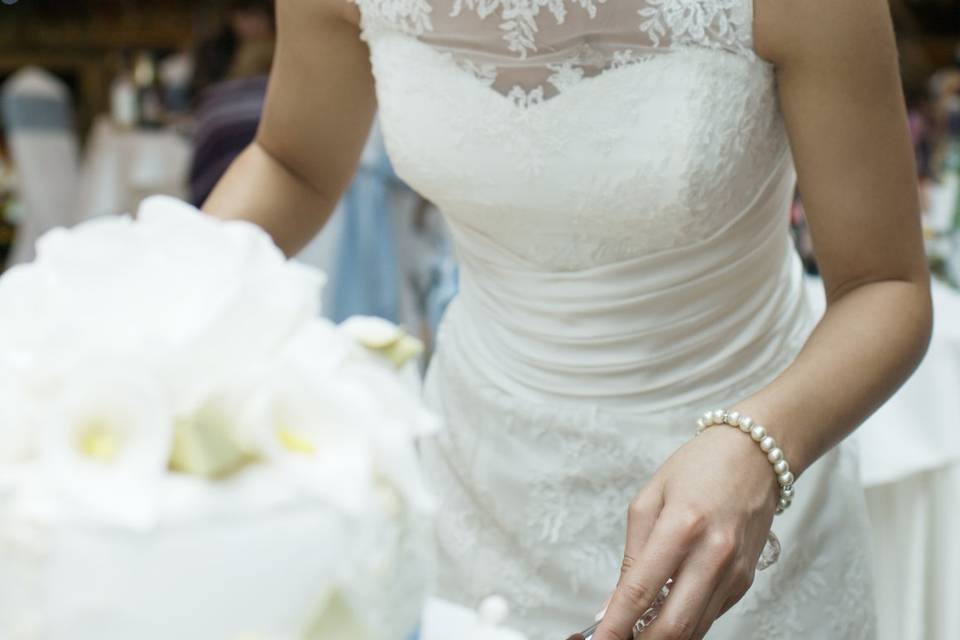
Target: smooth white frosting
226 560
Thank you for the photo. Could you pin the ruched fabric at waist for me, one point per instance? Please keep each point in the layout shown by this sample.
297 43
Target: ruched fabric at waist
659 331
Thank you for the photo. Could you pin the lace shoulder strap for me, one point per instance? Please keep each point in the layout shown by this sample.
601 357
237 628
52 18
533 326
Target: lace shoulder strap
716 23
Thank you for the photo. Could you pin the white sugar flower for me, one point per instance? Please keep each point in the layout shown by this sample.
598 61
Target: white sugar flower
384 338
392 398
320 349
17 422
398 418
375 401
183 291
314 431
235 299
178 342
106 441
26 328
372 332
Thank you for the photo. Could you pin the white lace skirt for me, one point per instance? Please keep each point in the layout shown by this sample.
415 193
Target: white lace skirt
534 499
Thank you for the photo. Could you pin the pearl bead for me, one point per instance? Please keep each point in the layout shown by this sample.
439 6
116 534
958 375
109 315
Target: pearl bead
768 445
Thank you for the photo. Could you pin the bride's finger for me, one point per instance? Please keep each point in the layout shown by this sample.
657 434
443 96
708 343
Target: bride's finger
641 517
713 610
735 585
739 586
669 543
696 585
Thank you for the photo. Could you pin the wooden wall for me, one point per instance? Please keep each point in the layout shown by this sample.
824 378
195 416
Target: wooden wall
81 40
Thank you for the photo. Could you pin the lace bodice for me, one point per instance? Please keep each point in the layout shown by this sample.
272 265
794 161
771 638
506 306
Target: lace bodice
645 127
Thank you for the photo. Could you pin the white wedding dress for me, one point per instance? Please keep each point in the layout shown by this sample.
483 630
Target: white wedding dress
617 177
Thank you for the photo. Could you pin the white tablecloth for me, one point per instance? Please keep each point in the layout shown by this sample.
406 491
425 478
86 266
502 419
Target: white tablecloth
910 457
122 166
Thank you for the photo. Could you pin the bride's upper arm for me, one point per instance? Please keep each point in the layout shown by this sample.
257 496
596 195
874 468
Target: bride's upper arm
842 100
320 101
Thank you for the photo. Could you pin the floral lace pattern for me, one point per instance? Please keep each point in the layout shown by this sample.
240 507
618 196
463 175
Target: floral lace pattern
519 46
519 18
718 23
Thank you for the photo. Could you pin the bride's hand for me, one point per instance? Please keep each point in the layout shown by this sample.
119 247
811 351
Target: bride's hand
702 520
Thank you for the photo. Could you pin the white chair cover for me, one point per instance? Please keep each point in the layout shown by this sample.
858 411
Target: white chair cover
38 120
122 167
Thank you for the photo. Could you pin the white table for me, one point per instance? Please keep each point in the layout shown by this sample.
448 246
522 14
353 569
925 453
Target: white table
122 166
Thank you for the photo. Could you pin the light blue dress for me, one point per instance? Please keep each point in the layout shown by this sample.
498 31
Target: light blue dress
366 265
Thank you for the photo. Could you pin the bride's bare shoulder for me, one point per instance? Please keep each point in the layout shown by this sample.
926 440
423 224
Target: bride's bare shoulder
321 11
787 31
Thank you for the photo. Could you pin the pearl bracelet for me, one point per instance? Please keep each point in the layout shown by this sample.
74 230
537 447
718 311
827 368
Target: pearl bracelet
767 444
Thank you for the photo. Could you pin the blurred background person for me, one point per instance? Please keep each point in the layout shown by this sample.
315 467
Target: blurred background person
248 24
229 83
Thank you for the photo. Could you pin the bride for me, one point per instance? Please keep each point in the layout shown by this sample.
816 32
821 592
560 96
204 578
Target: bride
617 175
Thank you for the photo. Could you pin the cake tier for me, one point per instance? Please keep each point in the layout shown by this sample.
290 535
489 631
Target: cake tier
224 561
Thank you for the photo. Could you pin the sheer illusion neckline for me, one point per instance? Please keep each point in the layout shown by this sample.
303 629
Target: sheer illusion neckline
531 51
538 101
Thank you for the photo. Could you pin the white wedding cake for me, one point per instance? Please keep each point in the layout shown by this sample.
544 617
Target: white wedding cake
187 451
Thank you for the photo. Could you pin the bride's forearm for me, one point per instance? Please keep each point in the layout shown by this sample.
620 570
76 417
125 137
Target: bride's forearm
868 342
841 96
258 188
